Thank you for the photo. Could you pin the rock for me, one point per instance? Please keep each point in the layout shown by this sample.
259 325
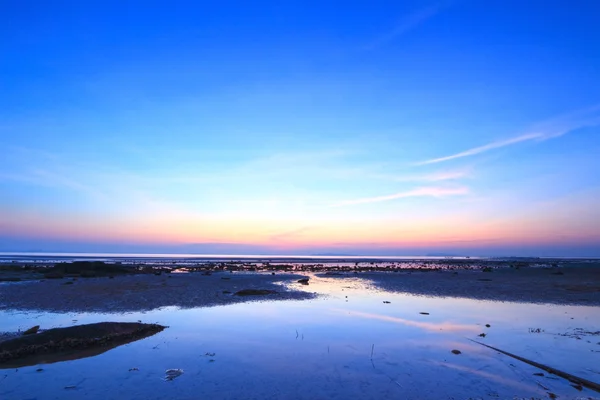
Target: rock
482 335
32 331
487 325
456 351
89 269
386 302
303 281
61 344
424 313
254 292
171 374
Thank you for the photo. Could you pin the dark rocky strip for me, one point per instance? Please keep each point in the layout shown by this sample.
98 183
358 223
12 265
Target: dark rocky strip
61 340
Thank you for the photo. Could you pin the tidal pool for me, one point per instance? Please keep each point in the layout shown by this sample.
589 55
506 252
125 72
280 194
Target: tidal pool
346 344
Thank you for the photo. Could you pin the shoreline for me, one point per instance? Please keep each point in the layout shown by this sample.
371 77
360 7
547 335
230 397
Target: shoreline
575 285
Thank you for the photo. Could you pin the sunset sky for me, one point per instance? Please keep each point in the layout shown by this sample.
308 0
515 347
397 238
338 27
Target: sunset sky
301 127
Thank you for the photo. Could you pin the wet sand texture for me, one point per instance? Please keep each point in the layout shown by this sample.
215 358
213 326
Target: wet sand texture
144 292
568 286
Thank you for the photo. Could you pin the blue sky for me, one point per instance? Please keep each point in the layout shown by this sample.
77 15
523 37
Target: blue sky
362 127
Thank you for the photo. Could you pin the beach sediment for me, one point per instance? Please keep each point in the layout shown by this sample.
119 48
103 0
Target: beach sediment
144 292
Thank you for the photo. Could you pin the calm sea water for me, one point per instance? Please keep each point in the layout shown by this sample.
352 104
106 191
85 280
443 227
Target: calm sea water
346 344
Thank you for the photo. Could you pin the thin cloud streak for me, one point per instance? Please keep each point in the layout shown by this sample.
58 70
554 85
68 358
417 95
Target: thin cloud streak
484 148
433 177
406 24
420 192
550 129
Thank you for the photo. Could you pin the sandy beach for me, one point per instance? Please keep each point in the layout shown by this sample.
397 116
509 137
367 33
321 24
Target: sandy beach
576 285
144 292
572 285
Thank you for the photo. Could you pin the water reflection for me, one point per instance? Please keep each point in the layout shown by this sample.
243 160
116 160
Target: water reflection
429 326
352 347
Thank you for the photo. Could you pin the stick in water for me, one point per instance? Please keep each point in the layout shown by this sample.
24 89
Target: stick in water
572 378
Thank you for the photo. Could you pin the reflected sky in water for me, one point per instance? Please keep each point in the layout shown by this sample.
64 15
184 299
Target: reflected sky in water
346 344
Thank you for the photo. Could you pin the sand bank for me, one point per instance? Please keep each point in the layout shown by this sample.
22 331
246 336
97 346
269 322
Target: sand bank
567 286
143 292
574 285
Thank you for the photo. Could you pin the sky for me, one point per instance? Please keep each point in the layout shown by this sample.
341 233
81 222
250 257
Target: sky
301 127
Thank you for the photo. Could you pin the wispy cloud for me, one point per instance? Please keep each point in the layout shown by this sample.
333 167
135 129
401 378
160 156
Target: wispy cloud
549 129
484 148
407 23
432 177
40 177
419 192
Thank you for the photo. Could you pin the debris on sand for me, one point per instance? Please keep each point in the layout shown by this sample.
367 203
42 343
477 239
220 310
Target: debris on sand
456 351
571 378
424 313
254 292
386 302
171 374
487 325
303 281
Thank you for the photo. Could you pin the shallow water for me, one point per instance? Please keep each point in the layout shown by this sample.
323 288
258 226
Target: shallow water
331 347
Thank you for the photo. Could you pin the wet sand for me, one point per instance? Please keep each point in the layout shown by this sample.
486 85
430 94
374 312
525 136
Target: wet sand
143 292
573 285
576 285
